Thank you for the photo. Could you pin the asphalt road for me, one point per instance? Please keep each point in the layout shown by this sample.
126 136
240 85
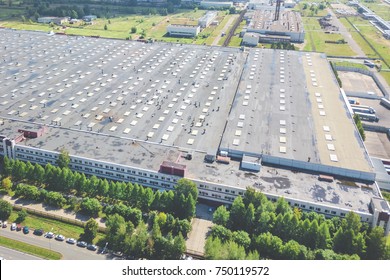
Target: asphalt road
9 254
69 252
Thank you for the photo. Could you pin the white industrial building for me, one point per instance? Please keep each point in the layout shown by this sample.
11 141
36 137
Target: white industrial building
289 27
183 30
250 39
216 4
274 116
207 19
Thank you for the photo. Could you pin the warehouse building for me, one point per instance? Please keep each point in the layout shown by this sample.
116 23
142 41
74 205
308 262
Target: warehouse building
183 30
154 113
207 19
288 27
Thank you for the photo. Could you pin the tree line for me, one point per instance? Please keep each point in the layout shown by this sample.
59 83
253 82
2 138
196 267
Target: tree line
256 226
179 202
140 222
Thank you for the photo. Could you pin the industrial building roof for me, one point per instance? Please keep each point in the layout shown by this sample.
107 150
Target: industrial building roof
140 104
289 21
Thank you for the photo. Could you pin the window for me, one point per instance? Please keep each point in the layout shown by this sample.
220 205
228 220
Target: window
311 207
333 212
326 211
303 206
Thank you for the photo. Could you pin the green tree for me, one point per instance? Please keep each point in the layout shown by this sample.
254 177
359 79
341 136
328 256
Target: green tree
55 199
105 27
292 250
22 215
359 126
116 232
221 233
186 187
7 166
6 183
90 230
269 246
63 159
241 238
133 29
74 15
5 210
348 238
376 245
221 216
91 206
237 214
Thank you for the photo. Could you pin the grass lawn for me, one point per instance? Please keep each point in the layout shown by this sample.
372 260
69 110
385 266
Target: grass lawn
235 41
315 39
154 26
29 249
350 64
58 227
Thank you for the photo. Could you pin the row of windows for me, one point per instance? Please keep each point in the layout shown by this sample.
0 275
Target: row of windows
36 152
121 176
123 170
202 186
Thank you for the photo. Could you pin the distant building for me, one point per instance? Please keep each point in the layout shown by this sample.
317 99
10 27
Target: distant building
289 4
289 27
183 30
151 2
207 19
89 18
260 5
216 4
55 20
250 39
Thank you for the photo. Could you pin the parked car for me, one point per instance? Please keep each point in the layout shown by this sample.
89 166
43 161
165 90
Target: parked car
26 230
71 241
18 227
59 237
13 226
92 247
38 232
82 244
1 223
4 224
49 235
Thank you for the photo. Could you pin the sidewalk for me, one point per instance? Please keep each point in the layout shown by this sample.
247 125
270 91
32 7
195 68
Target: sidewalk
60 213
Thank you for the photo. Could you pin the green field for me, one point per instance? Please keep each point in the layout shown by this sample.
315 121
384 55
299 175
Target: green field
315 40
58 227
29 249
350 64
152 26
376 39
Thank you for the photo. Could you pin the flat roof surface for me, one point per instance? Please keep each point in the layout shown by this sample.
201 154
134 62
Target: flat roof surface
140 104
289 21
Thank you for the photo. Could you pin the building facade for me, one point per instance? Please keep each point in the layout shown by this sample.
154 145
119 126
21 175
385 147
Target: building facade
183 30
221 193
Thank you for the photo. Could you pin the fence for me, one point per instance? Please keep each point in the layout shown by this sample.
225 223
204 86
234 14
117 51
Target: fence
60 218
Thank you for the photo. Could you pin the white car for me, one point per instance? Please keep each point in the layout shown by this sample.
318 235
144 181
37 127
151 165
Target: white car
71 241
59 237
49 235
13 226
